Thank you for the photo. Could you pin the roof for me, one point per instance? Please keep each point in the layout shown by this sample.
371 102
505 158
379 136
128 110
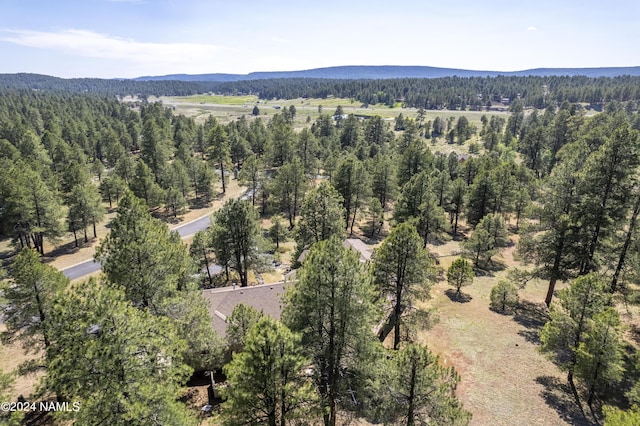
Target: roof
359 246
363 249
266 298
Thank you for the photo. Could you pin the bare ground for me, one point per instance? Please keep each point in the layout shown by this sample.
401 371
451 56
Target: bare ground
504 379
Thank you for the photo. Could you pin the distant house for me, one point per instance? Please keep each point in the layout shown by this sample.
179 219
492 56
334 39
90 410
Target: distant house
265 298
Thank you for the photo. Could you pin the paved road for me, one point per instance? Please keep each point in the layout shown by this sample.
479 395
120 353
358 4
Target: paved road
90 266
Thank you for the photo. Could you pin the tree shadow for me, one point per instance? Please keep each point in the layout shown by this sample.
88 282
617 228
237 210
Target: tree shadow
461 297
483 272
532 316
66 249
557 394
634 333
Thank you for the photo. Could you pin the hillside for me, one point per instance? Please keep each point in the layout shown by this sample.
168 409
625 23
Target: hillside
392 71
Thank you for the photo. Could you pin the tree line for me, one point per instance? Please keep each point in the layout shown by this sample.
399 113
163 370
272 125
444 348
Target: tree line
453 93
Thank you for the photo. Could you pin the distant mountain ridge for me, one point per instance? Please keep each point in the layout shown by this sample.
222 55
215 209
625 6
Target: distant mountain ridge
358 72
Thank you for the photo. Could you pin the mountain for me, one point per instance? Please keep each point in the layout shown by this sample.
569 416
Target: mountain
357 72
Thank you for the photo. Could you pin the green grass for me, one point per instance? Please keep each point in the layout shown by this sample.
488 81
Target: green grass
229 108
214 99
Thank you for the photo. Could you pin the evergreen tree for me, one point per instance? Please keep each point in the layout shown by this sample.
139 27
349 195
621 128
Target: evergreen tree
352 183
31 210
143 184
321 216
377 216
419 391
432 221
330 307
174 201
250 174
235 237
28 298
143 257
504 295
288 188
481 200
460 274
383 185
478 247
199 251
218 149
599 358
554 243
570 319
458 192
277 231
112 188
403 270
122 364
266 384
608 176
85 208
242 318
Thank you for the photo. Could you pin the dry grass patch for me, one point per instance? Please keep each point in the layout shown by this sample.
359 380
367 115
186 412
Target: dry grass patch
11 356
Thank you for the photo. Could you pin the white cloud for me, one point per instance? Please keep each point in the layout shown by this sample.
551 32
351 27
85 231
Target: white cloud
277 39
89 44
532 29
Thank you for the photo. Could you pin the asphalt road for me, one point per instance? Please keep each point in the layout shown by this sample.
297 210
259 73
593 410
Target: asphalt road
90 266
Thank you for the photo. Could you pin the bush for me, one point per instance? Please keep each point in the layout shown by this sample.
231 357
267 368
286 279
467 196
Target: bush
504 296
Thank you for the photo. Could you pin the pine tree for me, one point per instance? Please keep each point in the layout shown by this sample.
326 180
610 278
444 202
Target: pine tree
122 364
458 192
288 188
112 188
460 274
85 208
29 297
242 318
383 185
352 183
234 237
562 336
330 307
219 150
418 390
140 255
599 358
249 175
199 251
403 270
321 216
266 384
478 247
504 295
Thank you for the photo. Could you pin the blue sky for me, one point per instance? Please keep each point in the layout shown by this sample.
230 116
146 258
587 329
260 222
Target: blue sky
129 38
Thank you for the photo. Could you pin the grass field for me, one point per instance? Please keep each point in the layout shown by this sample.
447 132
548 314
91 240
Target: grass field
216 99
229 108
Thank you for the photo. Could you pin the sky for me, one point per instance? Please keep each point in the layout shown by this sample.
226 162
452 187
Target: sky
131 38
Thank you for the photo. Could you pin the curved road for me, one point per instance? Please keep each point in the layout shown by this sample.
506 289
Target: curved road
90 266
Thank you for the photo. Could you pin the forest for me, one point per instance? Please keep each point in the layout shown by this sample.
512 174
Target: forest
551 184
453 93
